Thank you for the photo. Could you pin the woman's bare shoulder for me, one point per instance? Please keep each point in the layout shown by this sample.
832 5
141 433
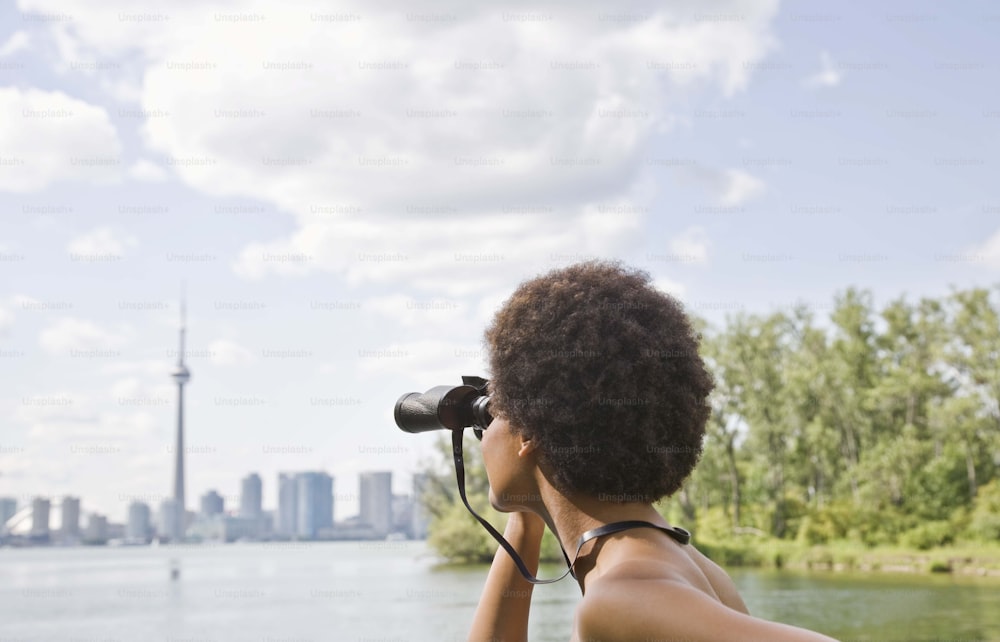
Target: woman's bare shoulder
629 608
685 596
684 565
719 579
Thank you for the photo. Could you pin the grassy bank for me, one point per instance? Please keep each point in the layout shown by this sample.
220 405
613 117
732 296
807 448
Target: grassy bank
970 559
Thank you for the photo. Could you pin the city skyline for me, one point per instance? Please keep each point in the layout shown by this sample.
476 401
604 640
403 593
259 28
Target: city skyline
212 503
171 510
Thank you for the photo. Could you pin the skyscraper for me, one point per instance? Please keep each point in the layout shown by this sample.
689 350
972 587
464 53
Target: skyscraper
315 500
419 521
70 516
250 496
40 518
181 375
288 505
8 506
171 519
376 501
402 514
97 529
212 503
137 528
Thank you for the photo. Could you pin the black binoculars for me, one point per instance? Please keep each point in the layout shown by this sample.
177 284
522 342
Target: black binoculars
446 408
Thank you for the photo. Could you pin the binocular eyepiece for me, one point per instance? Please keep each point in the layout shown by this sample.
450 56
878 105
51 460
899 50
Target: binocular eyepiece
446 408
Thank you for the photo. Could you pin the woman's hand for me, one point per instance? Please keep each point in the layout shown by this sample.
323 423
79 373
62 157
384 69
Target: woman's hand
525 523
503 608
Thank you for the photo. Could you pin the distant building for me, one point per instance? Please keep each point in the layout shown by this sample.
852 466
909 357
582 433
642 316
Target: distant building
138 527
268 519
70 517
96 531
243 528
171 520
286 523
419 520
212 503
226 528
250 496
40 507
402 514
8 506
116 531
315 504
376 501
353 529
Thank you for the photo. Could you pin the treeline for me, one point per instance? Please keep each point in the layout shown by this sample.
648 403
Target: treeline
874 426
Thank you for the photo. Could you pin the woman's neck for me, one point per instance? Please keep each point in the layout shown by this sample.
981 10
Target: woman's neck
570 518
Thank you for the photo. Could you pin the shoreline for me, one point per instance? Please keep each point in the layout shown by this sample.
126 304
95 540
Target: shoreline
972 560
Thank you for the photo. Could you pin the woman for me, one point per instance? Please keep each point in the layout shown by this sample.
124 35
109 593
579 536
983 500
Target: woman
600 403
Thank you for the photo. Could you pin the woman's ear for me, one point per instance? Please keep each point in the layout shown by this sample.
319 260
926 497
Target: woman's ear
527 447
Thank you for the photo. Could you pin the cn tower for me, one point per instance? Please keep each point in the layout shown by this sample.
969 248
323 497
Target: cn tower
181 375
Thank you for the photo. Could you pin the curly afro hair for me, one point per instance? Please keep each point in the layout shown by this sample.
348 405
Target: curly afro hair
602 370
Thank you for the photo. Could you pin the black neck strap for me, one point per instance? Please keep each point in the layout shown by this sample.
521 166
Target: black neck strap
678 534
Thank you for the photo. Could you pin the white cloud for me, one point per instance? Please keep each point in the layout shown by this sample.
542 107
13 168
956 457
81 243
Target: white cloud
6 321
329 368
70 334
119 427
740 187
223 352
670 286
25 301
729 187
828 76
454 258
73 444
135 393
989 251
488 306
149 368
148 171
47 136
18 41
403 130
100 244
434 312
80 443
423 361
691 246
60 405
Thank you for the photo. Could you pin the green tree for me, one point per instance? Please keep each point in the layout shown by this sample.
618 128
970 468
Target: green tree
974 354
812 410
718 477
452 531
985 523
853 370
756 349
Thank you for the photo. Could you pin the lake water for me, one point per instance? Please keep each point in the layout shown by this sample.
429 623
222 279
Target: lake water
395 592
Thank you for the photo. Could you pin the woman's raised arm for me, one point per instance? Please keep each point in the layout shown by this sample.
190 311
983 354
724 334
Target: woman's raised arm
502 614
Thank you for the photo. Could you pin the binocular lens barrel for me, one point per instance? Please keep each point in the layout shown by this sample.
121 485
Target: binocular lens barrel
443 408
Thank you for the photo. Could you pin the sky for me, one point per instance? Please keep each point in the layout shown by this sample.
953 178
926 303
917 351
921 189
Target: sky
346 194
